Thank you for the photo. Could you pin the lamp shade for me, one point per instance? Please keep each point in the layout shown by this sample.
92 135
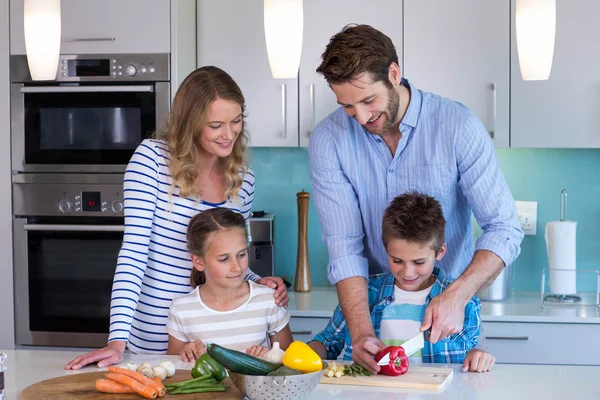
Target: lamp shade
536 27
284 21
42 37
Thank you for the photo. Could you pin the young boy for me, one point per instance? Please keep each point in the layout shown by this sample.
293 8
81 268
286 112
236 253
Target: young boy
413 235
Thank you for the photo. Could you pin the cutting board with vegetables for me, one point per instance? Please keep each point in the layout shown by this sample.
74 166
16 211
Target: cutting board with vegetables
81 386
430 378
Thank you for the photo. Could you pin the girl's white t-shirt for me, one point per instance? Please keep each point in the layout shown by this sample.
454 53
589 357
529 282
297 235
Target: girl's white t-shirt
190 319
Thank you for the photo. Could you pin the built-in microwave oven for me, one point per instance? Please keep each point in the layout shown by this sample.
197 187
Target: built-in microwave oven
92 116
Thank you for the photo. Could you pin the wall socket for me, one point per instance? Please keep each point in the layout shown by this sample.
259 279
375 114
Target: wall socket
527 212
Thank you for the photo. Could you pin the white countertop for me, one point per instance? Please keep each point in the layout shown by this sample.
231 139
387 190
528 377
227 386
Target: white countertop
521 307
26 367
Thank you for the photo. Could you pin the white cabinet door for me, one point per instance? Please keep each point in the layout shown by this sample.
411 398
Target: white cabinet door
322 20
460 50
561 111
231 36
109 26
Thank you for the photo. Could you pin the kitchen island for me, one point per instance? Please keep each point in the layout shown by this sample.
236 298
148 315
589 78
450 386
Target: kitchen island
28 366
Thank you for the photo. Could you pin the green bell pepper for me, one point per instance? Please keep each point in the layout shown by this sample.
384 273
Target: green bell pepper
206 365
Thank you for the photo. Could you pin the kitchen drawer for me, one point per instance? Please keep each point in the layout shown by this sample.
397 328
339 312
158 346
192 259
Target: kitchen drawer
543 343
305 328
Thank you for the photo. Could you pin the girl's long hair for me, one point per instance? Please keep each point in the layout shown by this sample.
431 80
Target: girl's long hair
187 120
202 226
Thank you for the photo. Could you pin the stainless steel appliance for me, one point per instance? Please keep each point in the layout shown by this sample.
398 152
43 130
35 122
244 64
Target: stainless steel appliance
67 232
261 255
92 116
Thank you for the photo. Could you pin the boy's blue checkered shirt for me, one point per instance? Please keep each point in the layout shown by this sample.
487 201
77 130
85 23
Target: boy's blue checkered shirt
453 349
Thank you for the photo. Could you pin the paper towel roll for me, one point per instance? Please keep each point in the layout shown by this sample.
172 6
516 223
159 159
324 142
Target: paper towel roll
561 242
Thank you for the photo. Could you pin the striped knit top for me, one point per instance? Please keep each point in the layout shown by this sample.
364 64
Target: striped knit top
154 264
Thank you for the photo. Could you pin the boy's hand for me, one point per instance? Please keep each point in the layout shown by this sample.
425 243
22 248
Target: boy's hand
192 351
478 361
256 351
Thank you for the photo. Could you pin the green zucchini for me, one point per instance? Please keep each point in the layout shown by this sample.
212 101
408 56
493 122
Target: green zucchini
240 363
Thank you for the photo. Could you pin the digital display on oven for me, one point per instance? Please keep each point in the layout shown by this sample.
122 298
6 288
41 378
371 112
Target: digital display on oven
90 201
89 67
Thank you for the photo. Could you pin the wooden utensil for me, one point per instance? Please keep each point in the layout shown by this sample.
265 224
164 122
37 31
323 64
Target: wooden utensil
429 378
81 386
302 280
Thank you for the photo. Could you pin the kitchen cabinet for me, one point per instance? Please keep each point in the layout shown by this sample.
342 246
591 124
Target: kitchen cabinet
543 343
561 112
460 50
109 26
305 328
323 19
282 112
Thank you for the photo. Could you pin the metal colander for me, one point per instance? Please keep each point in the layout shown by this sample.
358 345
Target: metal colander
276 387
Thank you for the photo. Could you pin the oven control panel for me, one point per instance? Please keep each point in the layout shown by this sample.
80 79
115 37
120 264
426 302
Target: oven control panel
72 195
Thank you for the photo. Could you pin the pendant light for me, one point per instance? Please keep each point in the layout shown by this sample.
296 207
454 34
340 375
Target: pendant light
42 37
535 26
284 20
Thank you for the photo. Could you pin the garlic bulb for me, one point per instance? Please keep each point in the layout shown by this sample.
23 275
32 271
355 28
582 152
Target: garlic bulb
144 365
160 372
169 367
275 355
147 371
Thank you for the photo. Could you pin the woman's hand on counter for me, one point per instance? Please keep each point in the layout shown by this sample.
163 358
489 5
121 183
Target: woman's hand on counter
109 355
274 282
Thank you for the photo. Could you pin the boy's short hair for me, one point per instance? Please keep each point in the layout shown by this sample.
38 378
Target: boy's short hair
416 218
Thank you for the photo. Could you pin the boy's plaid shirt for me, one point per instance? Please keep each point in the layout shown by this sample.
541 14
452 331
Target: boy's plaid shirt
453 349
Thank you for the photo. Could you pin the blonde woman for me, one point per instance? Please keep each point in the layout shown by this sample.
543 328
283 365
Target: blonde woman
196 163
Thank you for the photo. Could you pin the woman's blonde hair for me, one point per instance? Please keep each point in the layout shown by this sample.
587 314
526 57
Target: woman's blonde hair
187 120
200 229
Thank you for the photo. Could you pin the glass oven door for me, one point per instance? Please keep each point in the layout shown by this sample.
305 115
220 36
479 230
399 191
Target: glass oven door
83 128
64 272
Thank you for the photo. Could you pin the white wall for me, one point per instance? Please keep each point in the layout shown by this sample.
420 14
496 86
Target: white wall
7 338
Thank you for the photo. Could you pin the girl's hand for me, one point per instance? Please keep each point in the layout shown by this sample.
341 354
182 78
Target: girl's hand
478 361
256 351
192 351
274 282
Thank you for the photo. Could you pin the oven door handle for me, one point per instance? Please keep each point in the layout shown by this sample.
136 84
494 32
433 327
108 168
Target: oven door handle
88 89
74 228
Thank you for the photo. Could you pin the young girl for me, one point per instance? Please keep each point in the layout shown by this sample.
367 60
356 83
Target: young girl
223 308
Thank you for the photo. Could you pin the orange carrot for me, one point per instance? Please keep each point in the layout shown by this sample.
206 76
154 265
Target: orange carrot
159 387
108 386
139 388
157 379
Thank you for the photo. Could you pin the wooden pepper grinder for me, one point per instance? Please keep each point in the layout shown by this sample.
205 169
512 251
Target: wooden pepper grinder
302 280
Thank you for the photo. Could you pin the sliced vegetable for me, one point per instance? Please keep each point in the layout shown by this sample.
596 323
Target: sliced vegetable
301 357
206 365
239 362
398 364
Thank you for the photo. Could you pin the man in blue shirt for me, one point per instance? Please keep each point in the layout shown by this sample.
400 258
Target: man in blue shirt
388 138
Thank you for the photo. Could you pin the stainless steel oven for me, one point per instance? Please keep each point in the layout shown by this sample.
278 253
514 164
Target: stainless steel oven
92 116
67 231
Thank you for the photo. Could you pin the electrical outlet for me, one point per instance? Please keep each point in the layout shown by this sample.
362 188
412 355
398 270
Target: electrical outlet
527 212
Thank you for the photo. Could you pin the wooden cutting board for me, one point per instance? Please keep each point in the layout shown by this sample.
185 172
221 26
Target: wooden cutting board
81 386
430 378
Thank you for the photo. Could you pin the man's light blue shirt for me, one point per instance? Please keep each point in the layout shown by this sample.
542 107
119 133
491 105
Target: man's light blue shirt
444 152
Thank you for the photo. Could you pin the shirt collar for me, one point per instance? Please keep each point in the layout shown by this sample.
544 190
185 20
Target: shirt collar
414 105
387 288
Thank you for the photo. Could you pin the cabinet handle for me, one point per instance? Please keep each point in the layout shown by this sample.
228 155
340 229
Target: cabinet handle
312 108
283 111
98 39
507 337
301 332
494 109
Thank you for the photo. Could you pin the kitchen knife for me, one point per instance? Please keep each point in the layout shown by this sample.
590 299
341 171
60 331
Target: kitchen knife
411 346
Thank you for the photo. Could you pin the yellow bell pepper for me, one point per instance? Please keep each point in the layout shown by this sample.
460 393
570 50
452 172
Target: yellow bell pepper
301 357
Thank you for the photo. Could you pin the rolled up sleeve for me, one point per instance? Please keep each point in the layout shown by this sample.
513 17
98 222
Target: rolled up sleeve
487 192
337 206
